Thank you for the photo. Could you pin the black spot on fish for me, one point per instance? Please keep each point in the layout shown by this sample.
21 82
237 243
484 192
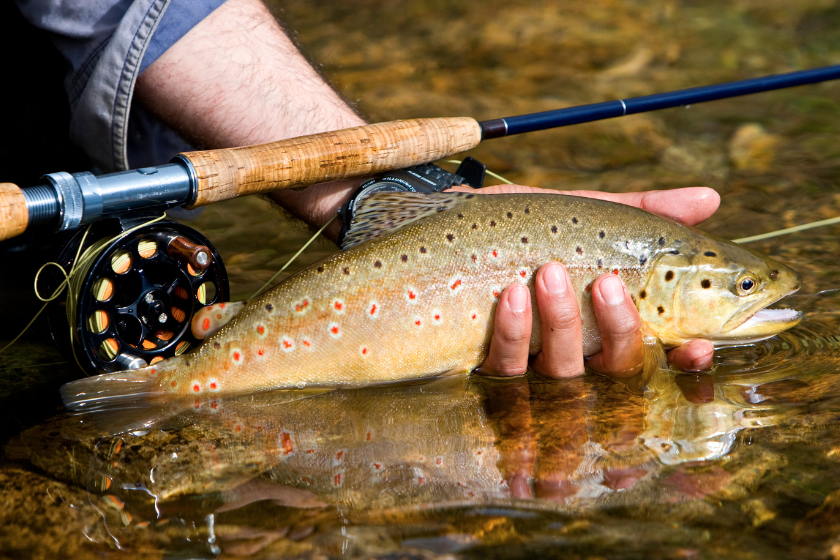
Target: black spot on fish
187 363
642 260
442 208
469 196
660 309
320 269
269 307
774 274
574 220
450 237
346 270
669 275
510 214
600 263
492 223
601 234
674 252
216 345
706 283
460 216
524 240
579 251
423 250
527 210
710 254
404 258
661 241
643 294
475 226
553 229
378 264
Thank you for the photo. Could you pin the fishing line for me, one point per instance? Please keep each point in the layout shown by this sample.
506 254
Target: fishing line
786 231
74 279
291 260
487 171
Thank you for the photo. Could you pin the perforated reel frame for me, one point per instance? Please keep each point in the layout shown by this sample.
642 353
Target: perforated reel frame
137 301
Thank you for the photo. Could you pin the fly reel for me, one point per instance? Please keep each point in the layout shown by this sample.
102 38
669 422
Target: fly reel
132 303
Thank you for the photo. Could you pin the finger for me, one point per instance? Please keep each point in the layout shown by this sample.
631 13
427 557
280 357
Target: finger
622 351
690 205
508 353
694 355
562 336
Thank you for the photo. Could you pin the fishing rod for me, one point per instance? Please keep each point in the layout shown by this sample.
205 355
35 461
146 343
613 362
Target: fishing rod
135 281
66 201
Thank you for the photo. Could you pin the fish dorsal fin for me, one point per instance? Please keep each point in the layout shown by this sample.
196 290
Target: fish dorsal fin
381 213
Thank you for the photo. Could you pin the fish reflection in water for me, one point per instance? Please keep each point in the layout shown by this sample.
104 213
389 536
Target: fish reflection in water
454 442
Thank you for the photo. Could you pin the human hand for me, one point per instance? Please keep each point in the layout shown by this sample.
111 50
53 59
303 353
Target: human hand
618 319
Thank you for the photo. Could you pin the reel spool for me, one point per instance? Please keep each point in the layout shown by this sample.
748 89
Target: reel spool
136 300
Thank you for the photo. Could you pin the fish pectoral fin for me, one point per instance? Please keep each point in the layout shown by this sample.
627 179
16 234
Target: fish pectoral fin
208 320
381 213
655 369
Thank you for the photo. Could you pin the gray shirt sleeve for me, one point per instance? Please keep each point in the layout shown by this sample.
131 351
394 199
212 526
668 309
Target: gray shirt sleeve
107 43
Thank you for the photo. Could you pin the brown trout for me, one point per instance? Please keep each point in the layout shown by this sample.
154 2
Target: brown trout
414 296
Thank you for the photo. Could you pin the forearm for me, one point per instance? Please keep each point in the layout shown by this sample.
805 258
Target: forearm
236 79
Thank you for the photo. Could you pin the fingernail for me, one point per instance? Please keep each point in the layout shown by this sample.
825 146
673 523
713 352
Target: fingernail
518 299
612 290
555 279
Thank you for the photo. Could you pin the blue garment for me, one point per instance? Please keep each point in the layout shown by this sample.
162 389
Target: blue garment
107 44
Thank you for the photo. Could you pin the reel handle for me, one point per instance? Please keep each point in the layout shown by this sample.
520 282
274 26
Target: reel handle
328 156
14 216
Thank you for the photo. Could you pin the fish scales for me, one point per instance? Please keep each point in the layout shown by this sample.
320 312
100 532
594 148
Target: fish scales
420 300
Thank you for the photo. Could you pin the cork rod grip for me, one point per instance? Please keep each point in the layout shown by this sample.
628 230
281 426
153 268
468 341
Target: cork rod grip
13 213
329 156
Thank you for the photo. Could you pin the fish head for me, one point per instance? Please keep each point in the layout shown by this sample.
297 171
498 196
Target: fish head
713 289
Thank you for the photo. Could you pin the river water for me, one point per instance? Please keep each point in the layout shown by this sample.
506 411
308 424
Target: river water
738 462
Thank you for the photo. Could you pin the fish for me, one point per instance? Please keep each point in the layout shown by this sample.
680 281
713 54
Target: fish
413 296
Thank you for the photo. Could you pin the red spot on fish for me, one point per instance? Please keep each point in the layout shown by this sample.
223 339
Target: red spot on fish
305 302
219 316
474 316
206 324
306 479
496 293
310 451
439 461
475 258
221 306
298 308
367 437
377 466
418 322
456 283
421 480
334 330
237 356
196 388
495 253
214 405
339 455
411 295
364 350
261 329
373 309
479 452
260 351
306 343
589 287
523 273
238 428
338 305
287 343
152 372
338 479
174 383
437 317
615 271
197 402
213 385
286 442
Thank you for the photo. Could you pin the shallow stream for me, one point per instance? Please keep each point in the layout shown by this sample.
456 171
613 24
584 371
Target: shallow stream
740 462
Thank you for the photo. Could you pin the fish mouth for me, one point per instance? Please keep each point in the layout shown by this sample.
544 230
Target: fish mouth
762 324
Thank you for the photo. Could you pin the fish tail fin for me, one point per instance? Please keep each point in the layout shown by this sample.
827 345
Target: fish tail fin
122 402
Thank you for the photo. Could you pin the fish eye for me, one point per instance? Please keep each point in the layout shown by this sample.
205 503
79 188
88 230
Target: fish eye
746 285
